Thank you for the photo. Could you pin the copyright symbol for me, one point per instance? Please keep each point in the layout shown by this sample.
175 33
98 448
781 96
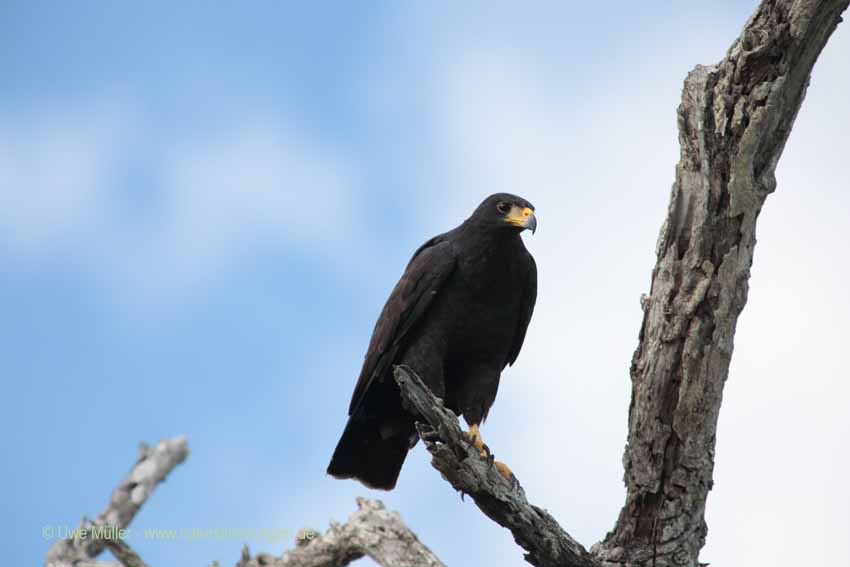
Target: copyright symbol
47 532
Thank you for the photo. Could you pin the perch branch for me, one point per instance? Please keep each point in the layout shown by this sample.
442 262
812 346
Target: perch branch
151 468
370 531
545 542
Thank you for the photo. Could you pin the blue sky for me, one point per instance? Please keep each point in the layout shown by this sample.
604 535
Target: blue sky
203 209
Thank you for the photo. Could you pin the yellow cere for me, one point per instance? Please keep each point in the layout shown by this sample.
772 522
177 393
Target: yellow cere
519 216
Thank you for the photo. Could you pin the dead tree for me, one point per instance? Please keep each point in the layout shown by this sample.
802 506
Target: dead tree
734 120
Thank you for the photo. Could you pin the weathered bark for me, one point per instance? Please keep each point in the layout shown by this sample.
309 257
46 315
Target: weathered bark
371 531
734 120
150 469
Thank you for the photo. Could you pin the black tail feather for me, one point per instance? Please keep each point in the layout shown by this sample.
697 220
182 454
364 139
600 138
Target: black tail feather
363 453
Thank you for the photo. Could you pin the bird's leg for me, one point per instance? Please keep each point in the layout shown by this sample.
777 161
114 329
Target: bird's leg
474 436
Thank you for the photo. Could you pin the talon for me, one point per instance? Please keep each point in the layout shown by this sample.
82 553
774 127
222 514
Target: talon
474 436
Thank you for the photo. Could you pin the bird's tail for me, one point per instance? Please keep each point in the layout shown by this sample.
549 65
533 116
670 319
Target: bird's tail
371 451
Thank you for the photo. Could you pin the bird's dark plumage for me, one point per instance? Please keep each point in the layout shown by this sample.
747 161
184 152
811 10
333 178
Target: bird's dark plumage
457 316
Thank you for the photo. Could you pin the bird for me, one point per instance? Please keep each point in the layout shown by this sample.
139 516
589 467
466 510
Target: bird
457 317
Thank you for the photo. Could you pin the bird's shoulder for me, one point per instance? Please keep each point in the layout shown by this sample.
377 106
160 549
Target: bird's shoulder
441 244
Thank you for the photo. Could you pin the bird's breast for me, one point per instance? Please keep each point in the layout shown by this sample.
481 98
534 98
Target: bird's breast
484 310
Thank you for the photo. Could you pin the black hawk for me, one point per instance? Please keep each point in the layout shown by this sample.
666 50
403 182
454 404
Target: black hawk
457 317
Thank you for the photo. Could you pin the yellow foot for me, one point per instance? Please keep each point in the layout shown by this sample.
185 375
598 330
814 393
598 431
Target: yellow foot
474 436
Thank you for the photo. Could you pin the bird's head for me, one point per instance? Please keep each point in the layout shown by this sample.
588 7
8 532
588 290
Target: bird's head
506 211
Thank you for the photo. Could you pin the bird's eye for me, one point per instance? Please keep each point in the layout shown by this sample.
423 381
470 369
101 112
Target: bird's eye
503 207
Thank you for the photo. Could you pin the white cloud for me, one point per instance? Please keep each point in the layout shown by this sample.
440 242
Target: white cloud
258 183
52 170
251 187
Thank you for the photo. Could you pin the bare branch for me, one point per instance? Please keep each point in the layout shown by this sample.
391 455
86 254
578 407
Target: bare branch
370 531
546 543
151 468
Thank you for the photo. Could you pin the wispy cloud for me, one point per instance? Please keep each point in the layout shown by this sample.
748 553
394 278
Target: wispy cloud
258 183
53 172
254 187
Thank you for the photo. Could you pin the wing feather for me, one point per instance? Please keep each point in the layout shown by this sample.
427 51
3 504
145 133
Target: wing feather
408 303
529 298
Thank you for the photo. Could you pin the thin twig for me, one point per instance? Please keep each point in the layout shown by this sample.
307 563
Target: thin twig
151 468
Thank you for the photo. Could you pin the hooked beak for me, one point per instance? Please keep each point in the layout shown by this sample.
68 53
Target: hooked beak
523 218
